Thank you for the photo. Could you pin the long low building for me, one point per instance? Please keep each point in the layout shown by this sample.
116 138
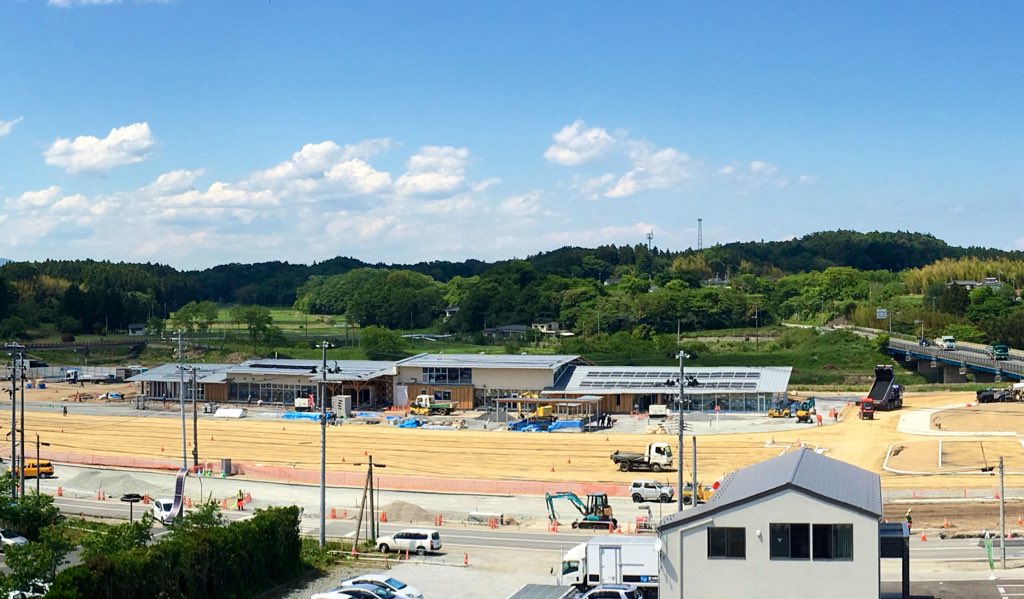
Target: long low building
473 381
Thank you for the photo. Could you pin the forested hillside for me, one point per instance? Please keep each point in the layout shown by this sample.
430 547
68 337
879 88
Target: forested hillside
818 278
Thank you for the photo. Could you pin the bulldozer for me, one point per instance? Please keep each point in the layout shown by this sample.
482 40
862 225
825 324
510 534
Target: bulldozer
805 411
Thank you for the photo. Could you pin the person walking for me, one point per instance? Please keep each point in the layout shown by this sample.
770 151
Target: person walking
910 519
240 501
65 406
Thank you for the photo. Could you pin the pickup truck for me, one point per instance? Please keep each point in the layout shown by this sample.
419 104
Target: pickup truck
946 342
657 457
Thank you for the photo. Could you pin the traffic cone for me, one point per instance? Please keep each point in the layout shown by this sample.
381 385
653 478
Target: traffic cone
552 468
211 437
161 448
406 555
945 522
334 513
997 495
924 537
223 504
1020 520
569 461
364 453
465 559
60 491
248 497
188 502
383 516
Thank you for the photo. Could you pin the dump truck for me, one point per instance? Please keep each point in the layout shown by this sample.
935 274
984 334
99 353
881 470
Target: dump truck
991 395
885 393
946 342
596 511
657 457
612 560
425 405
999 351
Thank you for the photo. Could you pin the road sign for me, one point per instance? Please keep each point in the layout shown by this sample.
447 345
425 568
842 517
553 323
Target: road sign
881 313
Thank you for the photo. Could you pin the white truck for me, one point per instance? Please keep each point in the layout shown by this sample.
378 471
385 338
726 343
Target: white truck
657 457
613 560
304 403
947 342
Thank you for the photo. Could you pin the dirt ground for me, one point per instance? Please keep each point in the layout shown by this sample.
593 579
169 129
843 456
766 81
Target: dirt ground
504 455
969 518
981 417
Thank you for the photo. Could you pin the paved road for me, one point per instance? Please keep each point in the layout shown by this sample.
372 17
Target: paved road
1001 589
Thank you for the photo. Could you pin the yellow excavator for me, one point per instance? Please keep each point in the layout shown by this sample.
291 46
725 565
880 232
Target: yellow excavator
805 411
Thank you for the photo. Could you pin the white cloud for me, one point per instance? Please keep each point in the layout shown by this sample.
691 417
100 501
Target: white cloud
221 195
123 145
486 183
575 144
522 205
312 159
601 236
359 177
763 168
652 169
7 126
368 148
36 199
434 169
726 170
807 180
173 182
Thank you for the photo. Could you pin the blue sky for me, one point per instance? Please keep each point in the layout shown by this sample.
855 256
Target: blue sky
199 133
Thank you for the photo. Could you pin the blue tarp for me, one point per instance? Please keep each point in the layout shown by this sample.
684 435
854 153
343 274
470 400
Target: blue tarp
566 424
409 423
314 416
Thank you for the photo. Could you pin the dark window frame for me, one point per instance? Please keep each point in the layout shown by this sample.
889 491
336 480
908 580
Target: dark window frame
789 541
727 542
832 542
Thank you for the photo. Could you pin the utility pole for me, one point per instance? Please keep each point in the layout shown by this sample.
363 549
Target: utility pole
22 431
181 398
693 495
37 460
373 507
195 421
323 446
679 452
14 408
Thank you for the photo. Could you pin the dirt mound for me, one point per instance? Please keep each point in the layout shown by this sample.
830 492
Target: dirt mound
401 511
112 483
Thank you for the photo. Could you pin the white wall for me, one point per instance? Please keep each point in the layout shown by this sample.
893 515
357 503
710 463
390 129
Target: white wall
757 575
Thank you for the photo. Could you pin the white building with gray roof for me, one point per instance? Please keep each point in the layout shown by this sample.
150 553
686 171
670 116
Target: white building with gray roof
795 525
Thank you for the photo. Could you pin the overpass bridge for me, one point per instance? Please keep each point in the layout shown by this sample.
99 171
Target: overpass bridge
952 366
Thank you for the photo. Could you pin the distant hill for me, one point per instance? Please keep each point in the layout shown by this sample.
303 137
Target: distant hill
3 261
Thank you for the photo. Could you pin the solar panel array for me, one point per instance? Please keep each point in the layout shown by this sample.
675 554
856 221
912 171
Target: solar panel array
665 379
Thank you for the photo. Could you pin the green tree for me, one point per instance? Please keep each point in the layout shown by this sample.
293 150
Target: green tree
382 344
118 538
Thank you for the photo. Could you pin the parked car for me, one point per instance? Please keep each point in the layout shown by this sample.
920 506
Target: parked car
162 510
614 591
418 540
9 537
357 591
399 588
34 590
651 490
42 469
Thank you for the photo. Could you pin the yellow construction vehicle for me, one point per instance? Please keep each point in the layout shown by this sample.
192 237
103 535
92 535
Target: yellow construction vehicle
805 411
780 409
703 493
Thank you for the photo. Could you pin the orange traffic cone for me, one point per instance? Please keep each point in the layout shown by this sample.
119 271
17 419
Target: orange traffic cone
161 448
334 513
60 491
383 516
569 461
945 522
465 559
223 504
552 468
1020 520
188 502
406 555
923 537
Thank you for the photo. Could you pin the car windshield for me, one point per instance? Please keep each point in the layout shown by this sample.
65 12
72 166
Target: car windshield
8 533
396 584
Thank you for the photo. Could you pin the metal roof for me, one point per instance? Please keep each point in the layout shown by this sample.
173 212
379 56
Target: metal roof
804 470
541 591
664 379
337 370
517 361
205 373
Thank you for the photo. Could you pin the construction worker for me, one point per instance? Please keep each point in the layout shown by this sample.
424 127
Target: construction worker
910 520
65 406
240 500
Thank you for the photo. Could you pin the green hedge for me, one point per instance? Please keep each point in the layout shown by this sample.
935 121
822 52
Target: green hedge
239 560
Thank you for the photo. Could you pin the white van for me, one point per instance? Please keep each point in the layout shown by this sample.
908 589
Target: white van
650 490
418 540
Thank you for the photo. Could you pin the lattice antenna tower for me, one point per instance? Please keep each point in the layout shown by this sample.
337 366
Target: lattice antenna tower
700 234
650 239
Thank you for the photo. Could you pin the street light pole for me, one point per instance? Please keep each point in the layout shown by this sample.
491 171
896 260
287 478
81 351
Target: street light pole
1002 512
679 448
22 431
323 447
14 410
